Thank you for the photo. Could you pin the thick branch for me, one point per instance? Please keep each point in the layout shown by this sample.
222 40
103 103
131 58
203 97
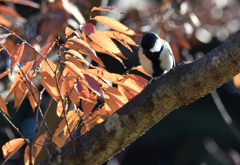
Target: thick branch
180 86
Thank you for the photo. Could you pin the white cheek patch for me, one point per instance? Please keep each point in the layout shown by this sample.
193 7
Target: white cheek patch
157 46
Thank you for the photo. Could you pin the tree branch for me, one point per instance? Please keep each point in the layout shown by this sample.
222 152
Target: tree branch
180 86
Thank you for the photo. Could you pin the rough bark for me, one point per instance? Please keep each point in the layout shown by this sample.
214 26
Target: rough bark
180 86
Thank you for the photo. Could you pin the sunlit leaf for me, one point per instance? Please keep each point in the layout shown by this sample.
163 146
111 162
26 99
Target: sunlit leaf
88 106
49 83
138 79
31 98
78 55
20 94
16 54
82 90
4 73
140 69
11 147
74 69
45 50
106 43
3 107
84 48
58 141
26 68
114 24
36 149
68 32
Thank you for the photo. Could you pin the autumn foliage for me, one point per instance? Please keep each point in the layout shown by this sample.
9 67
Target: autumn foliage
72 79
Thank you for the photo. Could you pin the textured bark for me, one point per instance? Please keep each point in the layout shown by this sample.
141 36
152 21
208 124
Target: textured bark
180 86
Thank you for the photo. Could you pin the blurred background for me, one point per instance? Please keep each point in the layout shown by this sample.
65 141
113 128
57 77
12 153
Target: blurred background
205 132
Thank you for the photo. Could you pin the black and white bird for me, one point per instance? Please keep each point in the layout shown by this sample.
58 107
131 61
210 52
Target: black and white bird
155 55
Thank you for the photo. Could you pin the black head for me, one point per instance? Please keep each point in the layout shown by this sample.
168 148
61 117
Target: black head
149 40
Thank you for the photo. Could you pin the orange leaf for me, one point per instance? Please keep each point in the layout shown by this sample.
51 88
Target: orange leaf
106 43
84 48
73 94
102 73
4 73
47 68
82 90
72 125
36 149
68 32
11 147
24 2
5 22
26 68
59 108
114 24
20 94
75 61
88 106
106 8
116 95
3 107
31 98
236 80
78 55
9 12
58 141
138 79
63 124
124 93
49 84
45 50
16 54
74 69
140 69
88 28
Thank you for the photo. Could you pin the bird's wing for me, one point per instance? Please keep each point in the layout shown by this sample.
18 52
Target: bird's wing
169 48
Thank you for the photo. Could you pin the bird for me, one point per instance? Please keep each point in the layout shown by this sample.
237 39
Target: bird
155 55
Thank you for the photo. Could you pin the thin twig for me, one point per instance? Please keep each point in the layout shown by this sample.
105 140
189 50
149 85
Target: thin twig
14 127
224 114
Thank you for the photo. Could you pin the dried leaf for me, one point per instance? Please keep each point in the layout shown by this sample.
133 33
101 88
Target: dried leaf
106 8
93 84
138 79
74 69
26 68
60 108
49 83
102 73
20 94
114 24
84 48
3 107
78 55
11 147
88 106
31 98
88 28
68 32
36 149
4 74
140 69
106 43
73 94
16 54
45 50
82 90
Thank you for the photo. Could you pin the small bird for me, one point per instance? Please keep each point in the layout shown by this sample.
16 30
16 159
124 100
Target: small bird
155 55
